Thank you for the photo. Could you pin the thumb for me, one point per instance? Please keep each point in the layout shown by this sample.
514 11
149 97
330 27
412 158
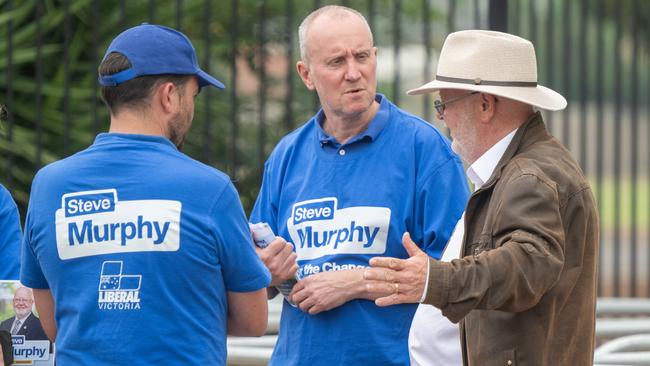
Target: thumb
411 248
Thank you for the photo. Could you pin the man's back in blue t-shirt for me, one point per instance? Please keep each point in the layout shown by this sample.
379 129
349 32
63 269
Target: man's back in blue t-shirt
139 245
139 255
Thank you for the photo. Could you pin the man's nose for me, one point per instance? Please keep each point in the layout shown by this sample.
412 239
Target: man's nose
352 72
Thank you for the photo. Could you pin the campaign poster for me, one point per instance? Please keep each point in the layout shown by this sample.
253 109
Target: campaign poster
19 317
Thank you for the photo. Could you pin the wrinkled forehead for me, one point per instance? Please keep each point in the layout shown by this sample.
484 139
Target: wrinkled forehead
330 32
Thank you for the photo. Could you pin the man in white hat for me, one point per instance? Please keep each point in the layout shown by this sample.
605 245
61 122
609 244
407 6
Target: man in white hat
524 290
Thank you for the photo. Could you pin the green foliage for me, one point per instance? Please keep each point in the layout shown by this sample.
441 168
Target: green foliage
48 75
7 290
55 108
41 63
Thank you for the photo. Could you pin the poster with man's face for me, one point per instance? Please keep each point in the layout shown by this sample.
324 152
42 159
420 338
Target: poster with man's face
18 317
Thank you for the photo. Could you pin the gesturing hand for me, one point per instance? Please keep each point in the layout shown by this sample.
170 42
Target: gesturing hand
403 278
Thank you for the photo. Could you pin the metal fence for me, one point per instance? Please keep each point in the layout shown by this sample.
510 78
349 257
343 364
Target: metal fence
595 52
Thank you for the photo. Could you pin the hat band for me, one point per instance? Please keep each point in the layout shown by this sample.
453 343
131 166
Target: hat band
479 81
117 78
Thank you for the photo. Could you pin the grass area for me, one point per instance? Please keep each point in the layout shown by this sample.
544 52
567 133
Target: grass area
616 199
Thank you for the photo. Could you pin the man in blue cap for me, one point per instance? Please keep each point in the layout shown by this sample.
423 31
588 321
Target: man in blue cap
129 265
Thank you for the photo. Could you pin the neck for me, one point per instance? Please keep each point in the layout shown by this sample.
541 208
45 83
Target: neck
129 122
344 128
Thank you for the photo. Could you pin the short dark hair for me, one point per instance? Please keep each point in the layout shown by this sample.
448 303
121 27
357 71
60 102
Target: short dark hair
134 93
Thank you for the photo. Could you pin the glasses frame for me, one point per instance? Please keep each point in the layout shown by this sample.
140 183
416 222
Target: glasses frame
440 106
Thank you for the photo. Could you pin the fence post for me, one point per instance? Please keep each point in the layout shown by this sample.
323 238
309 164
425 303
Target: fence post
498 15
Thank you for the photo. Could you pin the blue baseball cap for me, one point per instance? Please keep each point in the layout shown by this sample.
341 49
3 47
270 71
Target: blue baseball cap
155 50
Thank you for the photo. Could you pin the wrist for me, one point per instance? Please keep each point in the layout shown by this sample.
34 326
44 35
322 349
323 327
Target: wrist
358 288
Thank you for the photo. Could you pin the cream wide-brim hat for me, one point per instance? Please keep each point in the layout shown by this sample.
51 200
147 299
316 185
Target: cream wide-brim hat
494 63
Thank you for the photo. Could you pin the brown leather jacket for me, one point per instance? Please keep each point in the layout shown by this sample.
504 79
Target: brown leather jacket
525 287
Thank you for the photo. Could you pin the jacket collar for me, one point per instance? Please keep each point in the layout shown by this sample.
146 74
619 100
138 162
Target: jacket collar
530 132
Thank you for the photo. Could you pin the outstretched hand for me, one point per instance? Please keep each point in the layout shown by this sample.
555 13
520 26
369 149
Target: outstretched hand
403 278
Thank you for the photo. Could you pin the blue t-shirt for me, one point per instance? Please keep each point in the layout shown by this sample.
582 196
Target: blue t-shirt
139 244
10 237
341 205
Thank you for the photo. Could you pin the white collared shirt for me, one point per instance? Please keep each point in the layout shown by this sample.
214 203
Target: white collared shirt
481 170
433 339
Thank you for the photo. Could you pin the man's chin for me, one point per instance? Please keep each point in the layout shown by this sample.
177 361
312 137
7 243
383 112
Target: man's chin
357 109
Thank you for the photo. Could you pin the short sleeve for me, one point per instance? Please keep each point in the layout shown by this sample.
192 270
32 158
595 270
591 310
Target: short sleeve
440 202
242 269
10 237
31 274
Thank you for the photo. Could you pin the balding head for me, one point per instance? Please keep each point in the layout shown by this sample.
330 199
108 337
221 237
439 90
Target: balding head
329 12
23 301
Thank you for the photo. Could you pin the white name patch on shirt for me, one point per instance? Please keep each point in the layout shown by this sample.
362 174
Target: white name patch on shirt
318 228
95 222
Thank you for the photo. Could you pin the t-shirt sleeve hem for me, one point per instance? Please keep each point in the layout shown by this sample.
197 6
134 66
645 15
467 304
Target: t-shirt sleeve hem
252 285
34 283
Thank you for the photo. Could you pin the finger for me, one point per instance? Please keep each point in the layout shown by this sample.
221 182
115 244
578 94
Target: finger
292 271
305 304
378 274
393 299
277 262
290 261
275 247
298 287
286 251
387 262
380 288
410 246
315 310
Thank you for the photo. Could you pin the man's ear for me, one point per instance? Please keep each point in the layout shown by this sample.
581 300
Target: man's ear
488 107
168 97
303 70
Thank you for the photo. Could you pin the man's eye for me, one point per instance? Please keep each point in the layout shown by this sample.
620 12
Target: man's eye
335 62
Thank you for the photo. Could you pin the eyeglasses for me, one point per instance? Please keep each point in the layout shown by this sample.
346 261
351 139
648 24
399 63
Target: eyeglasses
440 106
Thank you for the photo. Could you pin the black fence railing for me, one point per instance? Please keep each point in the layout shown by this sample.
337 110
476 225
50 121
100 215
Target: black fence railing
595 52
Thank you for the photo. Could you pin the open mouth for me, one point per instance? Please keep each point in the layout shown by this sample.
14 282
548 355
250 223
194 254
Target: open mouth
352 91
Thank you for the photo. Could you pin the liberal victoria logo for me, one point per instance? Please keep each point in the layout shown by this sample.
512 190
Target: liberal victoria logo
318 228
118 291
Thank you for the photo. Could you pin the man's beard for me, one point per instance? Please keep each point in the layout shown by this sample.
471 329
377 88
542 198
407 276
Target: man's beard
177 132
458 149
22 313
